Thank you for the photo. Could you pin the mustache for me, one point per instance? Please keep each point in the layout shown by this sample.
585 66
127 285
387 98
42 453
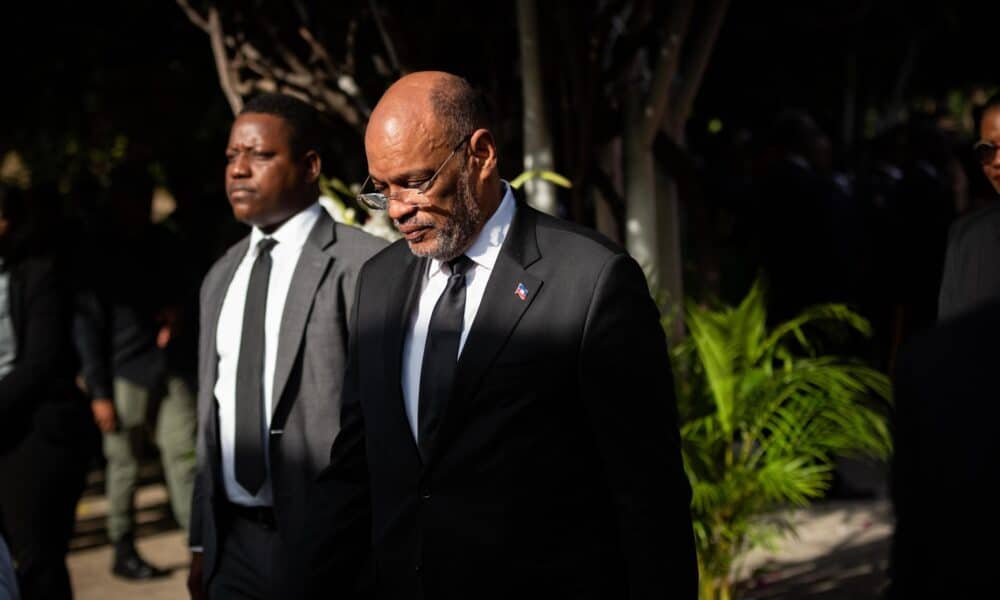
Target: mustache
412 221
240 188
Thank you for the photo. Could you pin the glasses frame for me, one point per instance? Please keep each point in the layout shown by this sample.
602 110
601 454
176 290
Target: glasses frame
986 152
380 201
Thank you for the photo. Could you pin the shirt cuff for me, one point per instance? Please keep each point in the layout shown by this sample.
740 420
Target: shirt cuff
199 549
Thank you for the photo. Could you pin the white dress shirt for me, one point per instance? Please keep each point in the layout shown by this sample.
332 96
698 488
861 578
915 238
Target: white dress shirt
291 236
483 252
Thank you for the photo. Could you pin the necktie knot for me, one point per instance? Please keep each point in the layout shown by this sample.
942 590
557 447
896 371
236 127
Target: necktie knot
460 265
265 245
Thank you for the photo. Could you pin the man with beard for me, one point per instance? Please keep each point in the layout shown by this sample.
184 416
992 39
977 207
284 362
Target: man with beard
509 424
274 335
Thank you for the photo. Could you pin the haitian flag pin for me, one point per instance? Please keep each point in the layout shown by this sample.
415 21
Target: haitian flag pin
521 291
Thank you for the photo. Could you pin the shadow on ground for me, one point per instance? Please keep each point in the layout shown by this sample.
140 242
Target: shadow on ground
855 572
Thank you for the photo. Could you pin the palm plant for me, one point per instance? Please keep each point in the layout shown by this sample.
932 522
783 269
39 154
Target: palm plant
763 415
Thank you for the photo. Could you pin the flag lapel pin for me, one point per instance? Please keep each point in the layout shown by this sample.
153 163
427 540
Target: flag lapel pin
521 291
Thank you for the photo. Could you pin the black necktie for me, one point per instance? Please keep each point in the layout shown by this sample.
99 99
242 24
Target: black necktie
441 354
251 466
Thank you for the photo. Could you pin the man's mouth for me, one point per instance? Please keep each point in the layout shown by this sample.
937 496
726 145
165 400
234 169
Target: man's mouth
413 233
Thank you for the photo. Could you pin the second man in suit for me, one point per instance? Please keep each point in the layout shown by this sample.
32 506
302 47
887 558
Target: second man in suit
272 355
509 414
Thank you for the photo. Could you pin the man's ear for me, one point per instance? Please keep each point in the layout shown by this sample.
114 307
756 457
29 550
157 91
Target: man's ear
484 149
314 165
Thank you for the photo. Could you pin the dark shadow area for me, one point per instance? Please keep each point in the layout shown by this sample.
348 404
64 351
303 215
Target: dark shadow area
855 572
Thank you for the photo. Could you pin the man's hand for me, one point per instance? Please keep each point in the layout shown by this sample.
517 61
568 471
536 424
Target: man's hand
169 320
104 414
195 583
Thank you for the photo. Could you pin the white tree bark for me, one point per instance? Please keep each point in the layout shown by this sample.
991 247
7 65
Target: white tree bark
537 140
671 289
640 194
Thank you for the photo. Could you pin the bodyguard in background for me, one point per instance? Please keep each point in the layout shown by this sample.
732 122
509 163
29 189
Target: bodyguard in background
135 335
44 426
972 264
272 354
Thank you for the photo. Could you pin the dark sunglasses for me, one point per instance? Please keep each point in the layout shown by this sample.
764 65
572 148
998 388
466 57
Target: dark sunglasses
985 152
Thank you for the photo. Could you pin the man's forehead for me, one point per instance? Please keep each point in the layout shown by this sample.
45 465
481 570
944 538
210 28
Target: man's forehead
402 134
273 128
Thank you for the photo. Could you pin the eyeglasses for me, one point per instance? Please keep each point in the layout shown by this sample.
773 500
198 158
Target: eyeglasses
985 152
377 200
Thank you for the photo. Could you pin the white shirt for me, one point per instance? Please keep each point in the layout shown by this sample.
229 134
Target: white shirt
291 236
8 341
483 252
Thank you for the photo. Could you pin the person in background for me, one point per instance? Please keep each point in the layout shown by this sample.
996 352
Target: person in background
272 354
972 263
134 334
44 425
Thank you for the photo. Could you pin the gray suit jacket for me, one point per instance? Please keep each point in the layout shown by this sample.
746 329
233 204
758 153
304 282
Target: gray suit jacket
312 347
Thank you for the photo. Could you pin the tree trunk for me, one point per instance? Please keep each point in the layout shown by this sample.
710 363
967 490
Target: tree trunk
640 194
671 290
537 140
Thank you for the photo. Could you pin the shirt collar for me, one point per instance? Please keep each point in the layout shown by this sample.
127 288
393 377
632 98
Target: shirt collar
293 233
486 247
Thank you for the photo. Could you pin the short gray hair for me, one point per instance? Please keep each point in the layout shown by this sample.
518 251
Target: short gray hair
460 108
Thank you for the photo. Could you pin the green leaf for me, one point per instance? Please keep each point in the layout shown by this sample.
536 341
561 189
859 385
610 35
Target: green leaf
550 176
518 181
556 178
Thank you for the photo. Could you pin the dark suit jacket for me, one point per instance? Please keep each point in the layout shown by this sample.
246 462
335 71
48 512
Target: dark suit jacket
307 381
38 393
556 472
972 264
945 465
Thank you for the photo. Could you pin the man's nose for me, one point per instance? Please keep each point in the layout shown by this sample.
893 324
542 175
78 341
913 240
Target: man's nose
399 207
239 167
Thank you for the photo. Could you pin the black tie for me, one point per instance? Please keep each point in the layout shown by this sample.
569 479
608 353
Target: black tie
441 354
251 466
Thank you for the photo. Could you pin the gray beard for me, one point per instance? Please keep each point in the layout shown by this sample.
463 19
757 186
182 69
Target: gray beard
457 233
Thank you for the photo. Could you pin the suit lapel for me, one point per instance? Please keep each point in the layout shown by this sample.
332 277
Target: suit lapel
309 272
400 303
215 296
509 292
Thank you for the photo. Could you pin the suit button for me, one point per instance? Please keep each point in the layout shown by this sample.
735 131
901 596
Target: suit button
425 494
416 569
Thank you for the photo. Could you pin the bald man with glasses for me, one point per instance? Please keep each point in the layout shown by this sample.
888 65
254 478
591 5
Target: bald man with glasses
509 425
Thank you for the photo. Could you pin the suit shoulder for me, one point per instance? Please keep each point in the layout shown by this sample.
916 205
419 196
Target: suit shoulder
389 254
358 242
954 341
237 249
983 221
558 235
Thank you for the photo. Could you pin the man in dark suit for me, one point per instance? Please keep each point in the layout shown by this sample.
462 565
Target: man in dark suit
272 355
971 276
44 425
509 416
944 468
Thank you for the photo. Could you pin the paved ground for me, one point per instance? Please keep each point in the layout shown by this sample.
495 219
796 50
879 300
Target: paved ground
840 552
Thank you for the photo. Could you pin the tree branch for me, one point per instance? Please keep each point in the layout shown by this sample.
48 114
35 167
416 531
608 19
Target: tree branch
675 29
694 68
228 78
194 16
390 48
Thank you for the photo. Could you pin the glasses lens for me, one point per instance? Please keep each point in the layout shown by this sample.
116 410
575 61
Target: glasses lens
985 152
374 200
